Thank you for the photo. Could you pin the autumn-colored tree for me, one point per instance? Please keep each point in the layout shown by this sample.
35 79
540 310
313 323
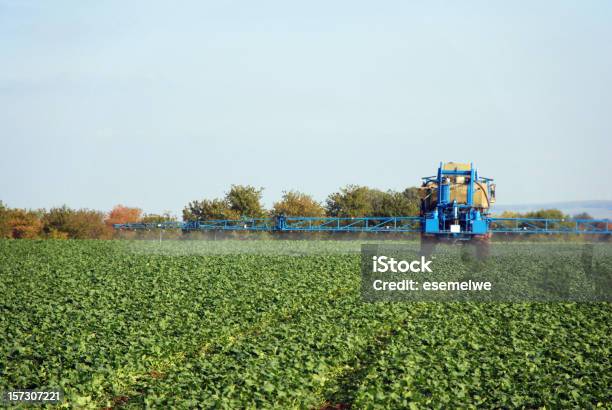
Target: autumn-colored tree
88 224
64 222
296 203
121 214
23 224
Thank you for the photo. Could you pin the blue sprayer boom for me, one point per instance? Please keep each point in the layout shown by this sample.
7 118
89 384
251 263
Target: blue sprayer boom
455 204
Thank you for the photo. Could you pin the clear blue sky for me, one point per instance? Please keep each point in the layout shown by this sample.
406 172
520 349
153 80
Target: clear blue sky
153 104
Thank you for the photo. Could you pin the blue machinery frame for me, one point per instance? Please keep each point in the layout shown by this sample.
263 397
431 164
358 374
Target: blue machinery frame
468 219
447 219
380 224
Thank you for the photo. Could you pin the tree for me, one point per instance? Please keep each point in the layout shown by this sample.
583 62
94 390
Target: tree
122 215
547 214
392 203
57 220
413 196
240 202
351 201
510 214
88 224
358 201
246 201
296 203
207 209
64 222
23 224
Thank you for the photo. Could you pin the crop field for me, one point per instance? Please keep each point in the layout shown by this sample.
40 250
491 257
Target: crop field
277 324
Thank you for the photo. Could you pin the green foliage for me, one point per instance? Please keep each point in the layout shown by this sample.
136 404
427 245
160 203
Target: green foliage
495 356
257 325
5 231
542 214
351 201
358 201
209 209
547 214
246 201
392 203
155 218
564 222
75 224
413 196
240 201
58 220
296 203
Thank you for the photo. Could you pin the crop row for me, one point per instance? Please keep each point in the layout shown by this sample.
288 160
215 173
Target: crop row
277 329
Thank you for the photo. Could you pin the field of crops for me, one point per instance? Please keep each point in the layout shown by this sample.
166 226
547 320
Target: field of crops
277 324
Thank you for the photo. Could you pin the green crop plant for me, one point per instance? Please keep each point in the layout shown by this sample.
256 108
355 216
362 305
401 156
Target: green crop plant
278 324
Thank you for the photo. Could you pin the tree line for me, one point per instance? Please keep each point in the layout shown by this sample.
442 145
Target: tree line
240 202
67 223
351 201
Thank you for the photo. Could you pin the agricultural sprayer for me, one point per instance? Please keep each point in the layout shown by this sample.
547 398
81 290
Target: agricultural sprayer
455 205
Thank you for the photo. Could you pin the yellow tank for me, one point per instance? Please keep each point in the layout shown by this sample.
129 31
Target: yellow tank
459 193
456 166
458 188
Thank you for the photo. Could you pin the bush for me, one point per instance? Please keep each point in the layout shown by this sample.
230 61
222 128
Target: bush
64 222
23 224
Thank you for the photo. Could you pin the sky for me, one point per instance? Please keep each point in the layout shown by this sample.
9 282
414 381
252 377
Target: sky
154 104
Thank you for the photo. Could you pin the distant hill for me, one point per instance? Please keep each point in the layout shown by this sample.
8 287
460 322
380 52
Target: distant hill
597 209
